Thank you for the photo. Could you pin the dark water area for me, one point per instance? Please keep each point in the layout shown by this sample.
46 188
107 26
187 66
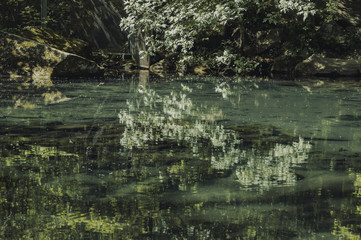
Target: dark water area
180 158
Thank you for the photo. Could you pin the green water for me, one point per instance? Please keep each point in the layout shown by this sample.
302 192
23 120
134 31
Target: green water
180 158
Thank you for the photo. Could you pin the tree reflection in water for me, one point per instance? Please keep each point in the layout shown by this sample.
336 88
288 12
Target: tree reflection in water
173 168
153 119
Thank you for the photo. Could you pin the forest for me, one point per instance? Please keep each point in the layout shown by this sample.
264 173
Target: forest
180 119
243 37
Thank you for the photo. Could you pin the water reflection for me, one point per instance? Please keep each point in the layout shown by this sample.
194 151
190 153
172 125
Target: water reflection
29 93
190 159
154 119
277 167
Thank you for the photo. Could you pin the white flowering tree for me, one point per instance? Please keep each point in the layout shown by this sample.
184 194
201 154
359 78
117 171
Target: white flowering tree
175 27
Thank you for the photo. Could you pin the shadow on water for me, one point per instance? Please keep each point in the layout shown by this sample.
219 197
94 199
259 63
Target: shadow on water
181 158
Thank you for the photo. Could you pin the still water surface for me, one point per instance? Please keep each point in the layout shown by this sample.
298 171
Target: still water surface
180 158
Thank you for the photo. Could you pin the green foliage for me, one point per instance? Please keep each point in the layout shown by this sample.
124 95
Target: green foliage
245 65
19 13
329 13
272 18
302 8
176 27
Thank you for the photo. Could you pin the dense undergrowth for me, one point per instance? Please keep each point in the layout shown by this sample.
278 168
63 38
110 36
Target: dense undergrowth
224 37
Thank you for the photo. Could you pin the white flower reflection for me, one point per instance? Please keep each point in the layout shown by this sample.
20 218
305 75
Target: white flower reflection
224 89
152 118
274 168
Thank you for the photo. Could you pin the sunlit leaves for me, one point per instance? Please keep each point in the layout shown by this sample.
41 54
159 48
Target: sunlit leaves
302 8
173 27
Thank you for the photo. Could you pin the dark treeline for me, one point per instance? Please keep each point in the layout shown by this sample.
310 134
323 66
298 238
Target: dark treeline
71 18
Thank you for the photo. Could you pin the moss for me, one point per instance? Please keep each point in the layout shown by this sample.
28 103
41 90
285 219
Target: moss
29 58
41 73
53 39
27 44
53 56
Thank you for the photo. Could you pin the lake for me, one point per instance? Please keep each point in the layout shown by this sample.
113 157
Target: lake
180 158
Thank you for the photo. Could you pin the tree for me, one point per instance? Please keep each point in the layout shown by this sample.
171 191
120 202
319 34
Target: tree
19 13
178 28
